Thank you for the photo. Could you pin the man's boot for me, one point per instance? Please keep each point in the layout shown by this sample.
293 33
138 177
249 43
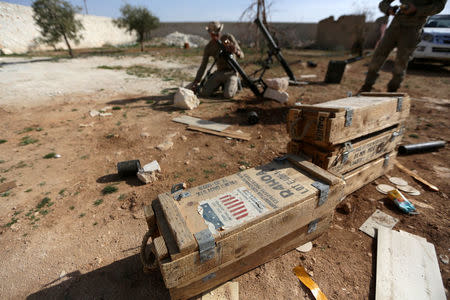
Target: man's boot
371 77
394 84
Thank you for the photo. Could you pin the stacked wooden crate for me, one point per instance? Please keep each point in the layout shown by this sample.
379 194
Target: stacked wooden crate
354 138
206 235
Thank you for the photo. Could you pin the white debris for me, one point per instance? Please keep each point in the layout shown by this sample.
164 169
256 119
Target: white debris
152 167
57 156
185 99
278 96
94 113
305 248
147 177
179 39
279 84
165 146
105 114
145 134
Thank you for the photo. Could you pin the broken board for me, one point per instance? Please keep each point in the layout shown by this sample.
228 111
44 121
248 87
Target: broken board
209 227
336 122
407 267
345 157
188 120
356 179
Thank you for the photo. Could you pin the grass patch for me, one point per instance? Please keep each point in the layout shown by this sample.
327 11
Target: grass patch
26 129
2 179
244 163
43 203
49 155
40 128
27 140
109 189
29 190
191 179
141 71
109 135
95 223
414 136
84 156
98 202
122 197
252 146
5 194
149 101
82 215
61 192
116 108
118 123
42 183
1 161
104 67
12 222
72 207
74 109
168 91
224 165
210 157
3 141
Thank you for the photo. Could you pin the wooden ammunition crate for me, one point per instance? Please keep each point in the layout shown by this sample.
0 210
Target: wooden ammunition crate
336 122
208 234
345 157
356 179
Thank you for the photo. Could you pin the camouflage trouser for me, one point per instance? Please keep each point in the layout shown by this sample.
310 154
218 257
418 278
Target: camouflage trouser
405 38
227 79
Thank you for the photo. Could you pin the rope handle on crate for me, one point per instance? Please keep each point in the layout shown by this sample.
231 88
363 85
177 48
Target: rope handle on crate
149 261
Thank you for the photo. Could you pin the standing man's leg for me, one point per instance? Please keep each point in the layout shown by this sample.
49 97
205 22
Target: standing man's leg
409 38
212 84
385 47
231 85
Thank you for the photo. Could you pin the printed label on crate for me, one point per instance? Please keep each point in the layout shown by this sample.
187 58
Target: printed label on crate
231 209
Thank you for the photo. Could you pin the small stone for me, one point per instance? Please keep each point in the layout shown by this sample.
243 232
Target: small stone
105 114
63 274
145 134
278 84
165 146
147 177
242 167
185 99
57 156
338 219
337 227
281 97
196 149
183 138
444 259
94 113
369 254
352 230
305 248
186 162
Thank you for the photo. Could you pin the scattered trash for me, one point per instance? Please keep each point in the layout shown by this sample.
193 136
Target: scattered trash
375 221
4 187
252 118
185 99
242 167
444 259
87 125
398 181
128 168
407 267
420 204
94 113
152 167
227 291
305 248
301 274
311 64
146 177
178 39
308 76
145 134
401 202
422 147
196 149
416 177
178 187
384 188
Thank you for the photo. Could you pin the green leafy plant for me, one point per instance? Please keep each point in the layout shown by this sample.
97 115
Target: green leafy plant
26 140
50 155
3 141
98 202
109 189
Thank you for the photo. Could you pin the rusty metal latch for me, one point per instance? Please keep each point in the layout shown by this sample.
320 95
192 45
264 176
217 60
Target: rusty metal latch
324 189
399 103
313 226
206 245
348 149
386 161
348 116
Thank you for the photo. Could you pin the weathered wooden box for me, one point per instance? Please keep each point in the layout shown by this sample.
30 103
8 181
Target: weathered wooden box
336 122
350 155
211 233
356 179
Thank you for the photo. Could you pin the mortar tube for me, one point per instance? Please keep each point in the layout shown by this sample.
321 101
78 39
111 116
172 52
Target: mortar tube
422 147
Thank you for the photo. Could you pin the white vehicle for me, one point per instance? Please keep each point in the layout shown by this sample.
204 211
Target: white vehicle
435 43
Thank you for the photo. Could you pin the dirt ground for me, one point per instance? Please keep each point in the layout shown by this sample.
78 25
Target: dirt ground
62 238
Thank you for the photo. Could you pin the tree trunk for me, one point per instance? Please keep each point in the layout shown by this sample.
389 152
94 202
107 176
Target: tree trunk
68 45
142 46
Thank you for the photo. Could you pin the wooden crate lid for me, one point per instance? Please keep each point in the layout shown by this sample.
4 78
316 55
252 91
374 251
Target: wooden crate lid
233 203
354 103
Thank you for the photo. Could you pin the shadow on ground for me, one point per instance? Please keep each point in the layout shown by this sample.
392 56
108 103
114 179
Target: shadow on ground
114 178
123 279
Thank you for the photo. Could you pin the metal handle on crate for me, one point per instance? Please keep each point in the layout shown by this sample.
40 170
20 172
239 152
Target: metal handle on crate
150 263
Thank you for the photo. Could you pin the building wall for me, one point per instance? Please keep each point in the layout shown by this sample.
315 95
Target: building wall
18 31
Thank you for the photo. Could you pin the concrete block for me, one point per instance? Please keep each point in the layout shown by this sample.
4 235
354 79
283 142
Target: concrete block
279 84
185 99
279 96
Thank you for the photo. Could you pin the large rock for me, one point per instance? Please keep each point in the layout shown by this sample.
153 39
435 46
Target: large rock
279 96
185 99
279 84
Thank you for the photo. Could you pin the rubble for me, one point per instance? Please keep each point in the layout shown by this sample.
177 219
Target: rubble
185 99
279 84
278 96
179 39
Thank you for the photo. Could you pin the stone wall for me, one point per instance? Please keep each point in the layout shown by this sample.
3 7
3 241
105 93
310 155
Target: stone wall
287 34
18 31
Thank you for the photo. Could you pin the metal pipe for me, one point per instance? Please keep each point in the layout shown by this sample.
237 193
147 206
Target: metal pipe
422 147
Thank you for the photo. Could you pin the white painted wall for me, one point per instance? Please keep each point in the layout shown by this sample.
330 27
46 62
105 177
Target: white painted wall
18 31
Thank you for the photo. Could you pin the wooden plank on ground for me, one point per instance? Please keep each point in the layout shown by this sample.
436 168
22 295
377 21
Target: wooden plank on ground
417 177
188 120
183 237
407 267
313 170
225 133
